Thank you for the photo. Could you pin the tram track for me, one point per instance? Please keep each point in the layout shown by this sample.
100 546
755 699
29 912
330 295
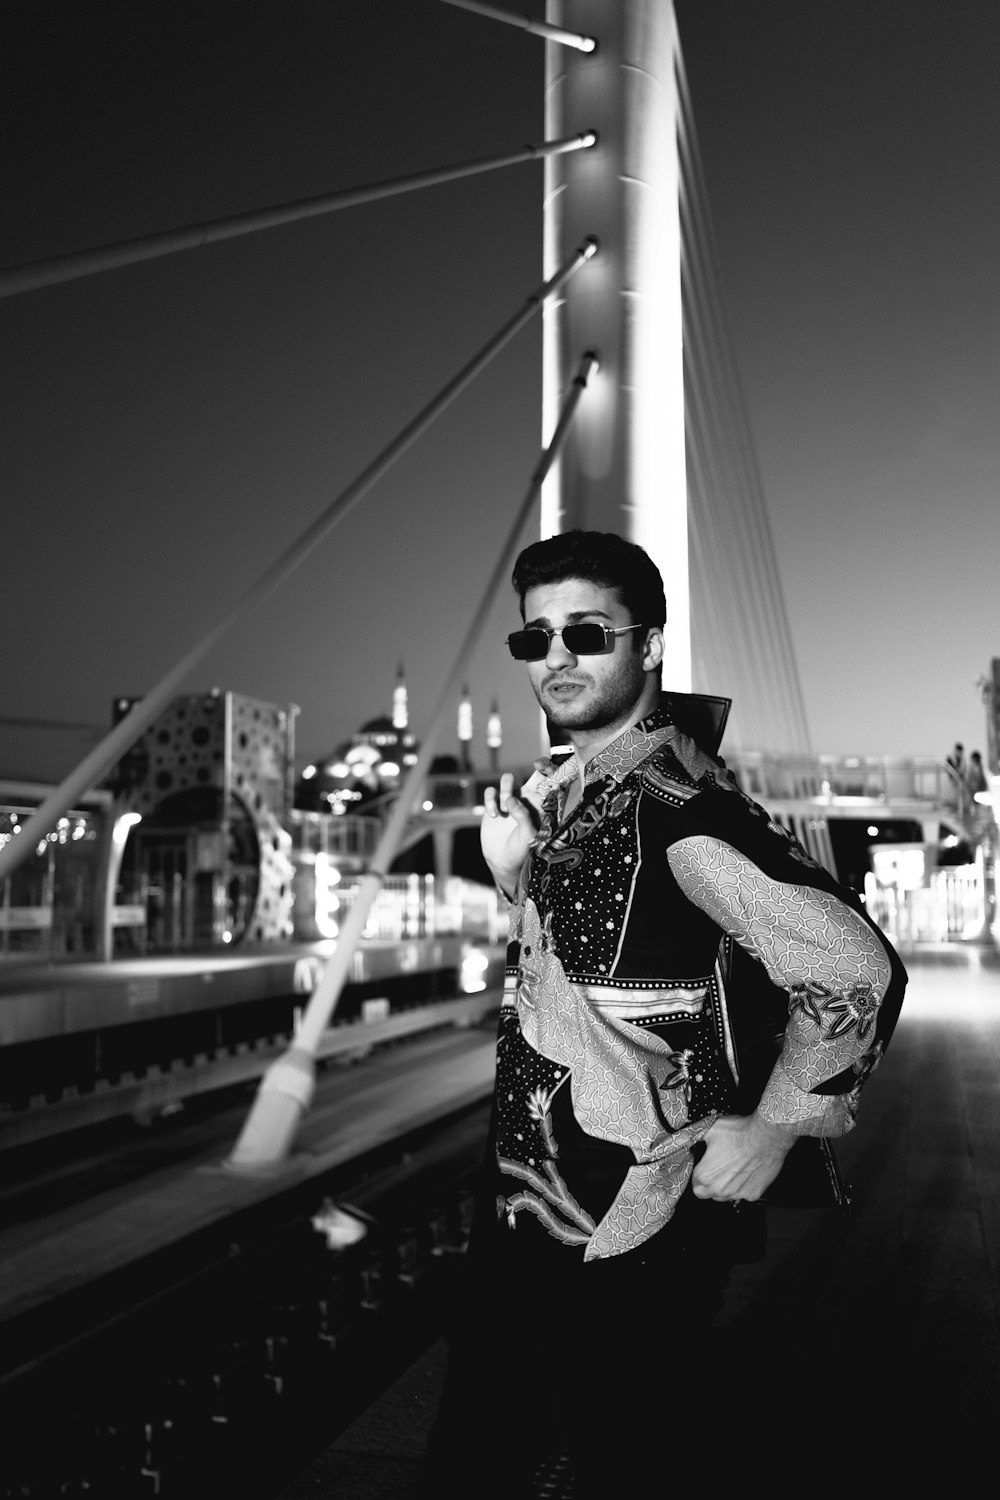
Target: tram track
145 1091
187 1374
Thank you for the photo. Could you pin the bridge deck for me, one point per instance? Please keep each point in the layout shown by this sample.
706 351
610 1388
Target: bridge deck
887 1342
893 1330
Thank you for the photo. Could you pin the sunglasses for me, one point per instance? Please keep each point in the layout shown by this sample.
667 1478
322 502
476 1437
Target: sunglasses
587 639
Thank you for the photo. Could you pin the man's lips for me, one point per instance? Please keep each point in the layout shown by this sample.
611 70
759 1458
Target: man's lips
562 685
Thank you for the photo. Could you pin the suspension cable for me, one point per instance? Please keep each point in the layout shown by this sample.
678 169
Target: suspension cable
59 268
528 23
286 1089
124 734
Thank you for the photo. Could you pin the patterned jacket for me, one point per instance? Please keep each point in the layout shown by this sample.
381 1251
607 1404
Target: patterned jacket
674 955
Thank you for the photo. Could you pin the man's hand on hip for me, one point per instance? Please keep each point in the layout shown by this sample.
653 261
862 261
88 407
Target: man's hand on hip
743 1155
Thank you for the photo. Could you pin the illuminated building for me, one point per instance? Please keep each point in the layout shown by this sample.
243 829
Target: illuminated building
372 762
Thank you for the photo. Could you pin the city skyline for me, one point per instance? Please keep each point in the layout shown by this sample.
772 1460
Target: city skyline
176 424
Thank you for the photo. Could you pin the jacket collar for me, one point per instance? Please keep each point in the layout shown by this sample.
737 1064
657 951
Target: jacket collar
618 758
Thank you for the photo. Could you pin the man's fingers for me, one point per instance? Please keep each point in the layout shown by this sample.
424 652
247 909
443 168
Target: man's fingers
516 809
496 799
501 802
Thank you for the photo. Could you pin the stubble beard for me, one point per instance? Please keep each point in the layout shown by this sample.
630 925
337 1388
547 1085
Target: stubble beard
597 708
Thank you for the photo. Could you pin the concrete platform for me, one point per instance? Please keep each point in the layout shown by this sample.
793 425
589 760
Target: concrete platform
39 1000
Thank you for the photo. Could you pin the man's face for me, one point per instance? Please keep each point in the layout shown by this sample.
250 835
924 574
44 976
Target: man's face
587 693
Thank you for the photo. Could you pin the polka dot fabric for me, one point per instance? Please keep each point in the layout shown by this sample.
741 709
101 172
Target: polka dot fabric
633 1018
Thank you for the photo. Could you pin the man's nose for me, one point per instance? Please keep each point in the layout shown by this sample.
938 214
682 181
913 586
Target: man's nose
557 654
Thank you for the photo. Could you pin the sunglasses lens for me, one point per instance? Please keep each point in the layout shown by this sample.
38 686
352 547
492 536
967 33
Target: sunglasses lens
585 640
528 645
588 639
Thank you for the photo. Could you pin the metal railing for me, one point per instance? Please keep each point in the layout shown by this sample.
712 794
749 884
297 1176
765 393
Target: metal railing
872 777
820 786
766 778
346 838
353 837
411 906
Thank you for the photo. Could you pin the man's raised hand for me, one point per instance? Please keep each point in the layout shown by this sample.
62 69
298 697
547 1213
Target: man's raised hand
508 829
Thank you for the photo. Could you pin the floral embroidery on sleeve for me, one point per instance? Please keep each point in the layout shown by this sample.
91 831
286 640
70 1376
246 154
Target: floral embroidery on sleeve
854 1009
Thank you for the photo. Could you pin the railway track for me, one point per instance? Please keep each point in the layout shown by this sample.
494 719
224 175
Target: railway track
149 1089
199 1370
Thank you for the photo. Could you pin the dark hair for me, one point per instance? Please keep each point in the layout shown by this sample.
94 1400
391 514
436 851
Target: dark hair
600 557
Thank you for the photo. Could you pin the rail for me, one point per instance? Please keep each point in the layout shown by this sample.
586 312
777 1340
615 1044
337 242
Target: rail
763 776
157 1090
824 777
46 907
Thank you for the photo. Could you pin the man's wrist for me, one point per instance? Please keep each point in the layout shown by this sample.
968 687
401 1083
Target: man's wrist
779 1133
505 880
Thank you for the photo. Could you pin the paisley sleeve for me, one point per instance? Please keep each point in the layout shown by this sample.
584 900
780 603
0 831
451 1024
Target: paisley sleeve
823 953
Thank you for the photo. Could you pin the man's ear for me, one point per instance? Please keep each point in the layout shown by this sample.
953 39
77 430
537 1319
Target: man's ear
652 652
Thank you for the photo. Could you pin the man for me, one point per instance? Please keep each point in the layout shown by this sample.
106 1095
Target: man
688 996
957 770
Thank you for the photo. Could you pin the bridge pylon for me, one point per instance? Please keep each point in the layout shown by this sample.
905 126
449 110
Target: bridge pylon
623 466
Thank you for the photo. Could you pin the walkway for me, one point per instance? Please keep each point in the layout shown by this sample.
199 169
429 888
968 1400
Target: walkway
805 793
885 1344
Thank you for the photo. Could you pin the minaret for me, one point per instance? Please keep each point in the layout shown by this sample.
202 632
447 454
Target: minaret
494 735
400 715
465 728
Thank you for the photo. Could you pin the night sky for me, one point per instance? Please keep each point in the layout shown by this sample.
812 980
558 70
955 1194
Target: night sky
170 427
